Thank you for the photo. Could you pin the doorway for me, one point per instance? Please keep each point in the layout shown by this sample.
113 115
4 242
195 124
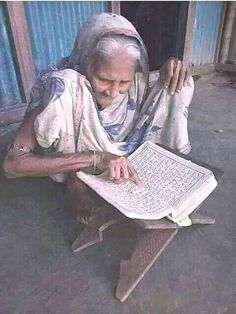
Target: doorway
162 26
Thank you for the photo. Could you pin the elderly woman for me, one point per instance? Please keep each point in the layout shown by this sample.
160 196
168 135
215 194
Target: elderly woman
96 107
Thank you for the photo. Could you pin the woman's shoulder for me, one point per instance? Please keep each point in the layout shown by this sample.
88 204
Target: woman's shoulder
67 75
70 78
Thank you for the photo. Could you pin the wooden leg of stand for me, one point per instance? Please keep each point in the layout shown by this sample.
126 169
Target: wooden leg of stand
150 244
92 233
199 219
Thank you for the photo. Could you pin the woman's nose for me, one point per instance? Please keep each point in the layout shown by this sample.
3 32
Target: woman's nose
114 90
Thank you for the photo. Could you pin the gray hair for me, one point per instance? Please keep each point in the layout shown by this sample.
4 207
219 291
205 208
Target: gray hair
108 46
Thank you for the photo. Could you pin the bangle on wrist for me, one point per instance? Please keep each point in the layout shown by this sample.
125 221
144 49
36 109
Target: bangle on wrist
96 159
20 147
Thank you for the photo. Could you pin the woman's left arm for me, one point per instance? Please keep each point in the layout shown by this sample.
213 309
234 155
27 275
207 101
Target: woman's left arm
174 74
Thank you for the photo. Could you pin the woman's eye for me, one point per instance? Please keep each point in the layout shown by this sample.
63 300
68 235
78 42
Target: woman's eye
103 80
125 82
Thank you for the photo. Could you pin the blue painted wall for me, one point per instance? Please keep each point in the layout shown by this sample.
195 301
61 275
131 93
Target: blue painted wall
54 25
9 90
206 30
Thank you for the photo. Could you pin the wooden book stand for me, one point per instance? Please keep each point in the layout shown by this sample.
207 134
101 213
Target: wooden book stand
152 237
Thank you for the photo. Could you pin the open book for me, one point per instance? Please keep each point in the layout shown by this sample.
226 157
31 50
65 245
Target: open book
171 185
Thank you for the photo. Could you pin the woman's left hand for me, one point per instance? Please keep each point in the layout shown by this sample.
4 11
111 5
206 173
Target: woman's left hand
174 74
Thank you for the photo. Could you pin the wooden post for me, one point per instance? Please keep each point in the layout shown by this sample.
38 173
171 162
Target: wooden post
114 7
181 29
227 31
189 31
223 15
21 46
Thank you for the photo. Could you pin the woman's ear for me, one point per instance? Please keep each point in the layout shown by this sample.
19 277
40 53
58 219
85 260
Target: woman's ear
87 70
91 68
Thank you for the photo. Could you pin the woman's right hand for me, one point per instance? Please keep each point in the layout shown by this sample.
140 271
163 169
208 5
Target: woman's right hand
119 167
174 74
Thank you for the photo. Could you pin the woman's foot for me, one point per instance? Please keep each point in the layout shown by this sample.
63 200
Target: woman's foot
80 194
84 217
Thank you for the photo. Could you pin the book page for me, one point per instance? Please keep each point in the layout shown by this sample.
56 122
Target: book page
167 181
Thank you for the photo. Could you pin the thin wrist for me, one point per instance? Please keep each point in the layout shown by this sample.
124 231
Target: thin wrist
97 156
84 159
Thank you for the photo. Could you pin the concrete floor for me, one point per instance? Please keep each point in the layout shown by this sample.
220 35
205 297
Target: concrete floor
195 275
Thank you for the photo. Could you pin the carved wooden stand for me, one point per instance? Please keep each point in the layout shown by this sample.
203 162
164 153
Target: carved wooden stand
152 237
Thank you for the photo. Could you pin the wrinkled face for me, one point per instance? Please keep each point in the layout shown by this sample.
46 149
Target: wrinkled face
111 78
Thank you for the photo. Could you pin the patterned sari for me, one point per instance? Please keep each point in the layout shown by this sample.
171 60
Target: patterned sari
71 120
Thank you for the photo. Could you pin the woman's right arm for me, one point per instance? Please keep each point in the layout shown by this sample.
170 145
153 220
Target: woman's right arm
18 163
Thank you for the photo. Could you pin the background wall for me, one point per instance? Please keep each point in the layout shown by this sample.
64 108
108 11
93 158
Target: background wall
53 26
206 32
9 90
232 48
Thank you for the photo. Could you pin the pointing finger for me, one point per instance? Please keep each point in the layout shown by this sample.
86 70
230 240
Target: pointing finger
134 175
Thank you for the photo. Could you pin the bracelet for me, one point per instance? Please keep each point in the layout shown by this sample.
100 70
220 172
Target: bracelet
96 160
20 147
